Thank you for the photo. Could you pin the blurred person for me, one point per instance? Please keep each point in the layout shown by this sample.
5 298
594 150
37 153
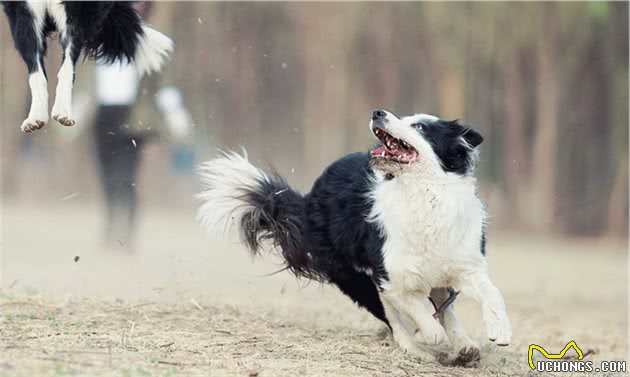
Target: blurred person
120 143
120 140
118 147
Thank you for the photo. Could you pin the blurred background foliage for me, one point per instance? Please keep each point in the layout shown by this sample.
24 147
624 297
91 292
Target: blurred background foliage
294 83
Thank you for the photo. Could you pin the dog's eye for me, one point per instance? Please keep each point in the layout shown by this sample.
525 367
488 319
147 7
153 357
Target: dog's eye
417 126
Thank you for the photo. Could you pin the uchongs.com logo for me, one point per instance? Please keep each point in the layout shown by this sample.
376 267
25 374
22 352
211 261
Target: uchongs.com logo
559 362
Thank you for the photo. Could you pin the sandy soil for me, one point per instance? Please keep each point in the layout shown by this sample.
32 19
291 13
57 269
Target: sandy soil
183 304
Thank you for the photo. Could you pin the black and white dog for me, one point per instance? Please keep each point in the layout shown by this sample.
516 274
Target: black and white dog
108 30
392 228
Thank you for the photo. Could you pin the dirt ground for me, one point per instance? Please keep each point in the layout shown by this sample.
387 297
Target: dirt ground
183 304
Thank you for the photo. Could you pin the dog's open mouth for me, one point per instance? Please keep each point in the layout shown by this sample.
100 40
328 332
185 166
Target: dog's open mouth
393 149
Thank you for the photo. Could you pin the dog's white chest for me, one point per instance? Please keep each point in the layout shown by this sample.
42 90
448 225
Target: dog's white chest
431 231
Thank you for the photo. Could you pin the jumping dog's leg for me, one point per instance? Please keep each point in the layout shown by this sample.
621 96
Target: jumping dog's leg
26 24
62 109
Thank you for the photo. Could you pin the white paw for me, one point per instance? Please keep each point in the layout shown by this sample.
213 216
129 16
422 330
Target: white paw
499 329
63 118
432 333
33 123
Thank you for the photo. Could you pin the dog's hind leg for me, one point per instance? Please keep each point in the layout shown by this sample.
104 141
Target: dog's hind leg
362 290
467 352
27 23
62 109
402 335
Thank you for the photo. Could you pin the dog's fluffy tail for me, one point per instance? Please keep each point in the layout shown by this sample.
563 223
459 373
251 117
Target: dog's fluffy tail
124 37
261 207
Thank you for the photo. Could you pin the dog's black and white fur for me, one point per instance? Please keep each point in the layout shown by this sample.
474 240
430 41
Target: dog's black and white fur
390 228
108 30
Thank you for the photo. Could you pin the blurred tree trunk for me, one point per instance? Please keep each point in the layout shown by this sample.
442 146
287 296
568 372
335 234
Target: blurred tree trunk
618 203
452 90
514 158
544 151
449 71
617 220
13 105
325 80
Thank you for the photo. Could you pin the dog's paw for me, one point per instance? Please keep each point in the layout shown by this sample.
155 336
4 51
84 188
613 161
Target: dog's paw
467 357
32 124
499 330
64 120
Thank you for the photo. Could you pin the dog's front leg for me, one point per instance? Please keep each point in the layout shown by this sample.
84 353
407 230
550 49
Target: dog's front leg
419 309
402 335
467 353
478 285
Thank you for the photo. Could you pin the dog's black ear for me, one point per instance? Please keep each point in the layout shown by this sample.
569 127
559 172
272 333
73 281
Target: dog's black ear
472 137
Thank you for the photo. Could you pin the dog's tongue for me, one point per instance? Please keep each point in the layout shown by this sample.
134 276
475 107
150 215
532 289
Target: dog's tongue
379 151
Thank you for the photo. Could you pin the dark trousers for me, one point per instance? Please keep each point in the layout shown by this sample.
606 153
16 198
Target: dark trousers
118 156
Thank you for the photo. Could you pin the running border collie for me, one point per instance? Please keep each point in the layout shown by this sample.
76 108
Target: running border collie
394 228
108 30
